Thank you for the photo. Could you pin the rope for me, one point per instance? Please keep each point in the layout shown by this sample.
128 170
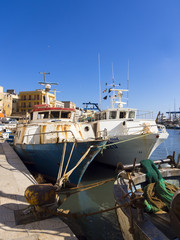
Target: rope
86 187
66 175
69 157
158 193
75 215
127 140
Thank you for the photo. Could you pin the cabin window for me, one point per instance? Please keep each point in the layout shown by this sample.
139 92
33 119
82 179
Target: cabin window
112 115
31 116
97 117
65 114
122 115
43 115
131 114
103 116
54 114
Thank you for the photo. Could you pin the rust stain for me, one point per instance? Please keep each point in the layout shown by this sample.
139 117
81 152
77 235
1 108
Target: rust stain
80 133
22 133
43 130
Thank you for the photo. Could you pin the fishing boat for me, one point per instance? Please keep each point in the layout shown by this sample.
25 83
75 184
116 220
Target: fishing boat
147 200
129 136
53 144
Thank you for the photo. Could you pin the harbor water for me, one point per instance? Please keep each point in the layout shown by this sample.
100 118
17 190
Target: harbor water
104 226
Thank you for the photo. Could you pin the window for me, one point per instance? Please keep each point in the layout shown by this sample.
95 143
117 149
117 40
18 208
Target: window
29 97
131 114
103 116
43 115
31 116
122 115
65 114
37 97
97 117
29 104
112 115
54 114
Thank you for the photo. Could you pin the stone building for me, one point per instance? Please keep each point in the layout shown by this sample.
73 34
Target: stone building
8 102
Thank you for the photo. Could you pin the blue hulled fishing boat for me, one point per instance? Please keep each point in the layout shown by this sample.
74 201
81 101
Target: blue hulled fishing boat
54 144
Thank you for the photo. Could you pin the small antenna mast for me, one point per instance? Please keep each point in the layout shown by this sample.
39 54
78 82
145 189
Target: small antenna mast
99 81
128 86
44 75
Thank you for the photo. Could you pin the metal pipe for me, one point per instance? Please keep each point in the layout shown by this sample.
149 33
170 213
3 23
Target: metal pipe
130 166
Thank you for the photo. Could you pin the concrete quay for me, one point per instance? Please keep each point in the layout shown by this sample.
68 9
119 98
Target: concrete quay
14 179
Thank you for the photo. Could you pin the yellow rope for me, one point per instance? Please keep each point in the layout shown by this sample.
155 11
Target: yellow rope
130 139
86 187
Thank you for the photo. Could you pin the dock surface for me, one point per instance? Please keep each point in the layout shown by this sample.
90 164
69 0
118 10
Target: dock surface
14 179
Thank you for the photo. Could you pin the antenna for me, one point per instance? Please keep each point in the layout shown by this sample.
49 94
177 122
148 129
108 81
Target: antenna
44 75
128 85
99 81
47 87
55 91
113 74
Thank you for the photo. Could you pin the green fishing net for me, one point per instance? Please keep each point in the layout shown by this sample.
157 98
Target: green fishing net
158 193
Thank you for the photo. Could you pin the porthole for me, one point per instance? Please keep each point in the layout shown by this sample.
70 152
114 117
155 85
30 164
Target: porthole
86 128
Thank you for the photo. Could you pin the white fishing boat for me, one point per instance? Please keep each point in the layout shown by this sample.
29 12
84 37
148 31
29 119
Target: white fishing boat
54 144
129 137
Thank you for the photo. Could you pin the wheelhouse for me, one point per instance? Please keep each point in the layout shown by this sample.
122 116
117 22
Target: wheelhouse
116 114
46 113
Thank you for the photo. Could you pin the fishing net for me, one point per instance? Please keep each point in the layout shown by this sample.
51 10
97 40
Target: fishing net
158 193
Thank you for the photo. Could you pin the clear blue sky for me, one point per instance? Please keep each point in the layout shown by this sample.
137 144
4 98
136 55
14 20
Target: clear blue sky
64 37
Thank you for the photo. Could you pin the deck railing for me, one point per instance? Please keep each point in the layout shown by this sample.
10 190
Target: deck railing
46 133
141 114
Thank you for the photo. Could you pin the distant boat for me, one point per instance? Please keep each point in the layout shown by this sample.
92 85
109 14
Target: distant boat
53 144
128 136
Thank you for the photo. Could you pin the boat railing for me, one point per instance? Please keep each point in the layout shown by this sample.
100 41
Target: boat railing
141 114
145 128
46 133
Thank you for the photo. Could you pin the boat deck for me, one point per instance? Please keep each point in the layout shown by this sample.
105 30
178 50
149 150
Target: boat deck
14 179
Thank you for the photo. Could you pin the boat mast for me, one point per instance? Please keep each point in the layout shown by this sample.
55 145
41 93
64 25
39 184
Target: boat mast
113 85
128 86
99 81
117 93
47 87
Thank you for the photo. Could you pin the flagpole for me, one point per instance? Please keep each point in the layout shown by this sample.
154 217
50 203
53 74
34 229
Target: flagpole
99 81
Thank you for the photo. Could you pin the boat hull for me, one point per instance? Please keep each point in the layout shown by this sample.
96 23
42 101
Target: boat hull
46 158
125 149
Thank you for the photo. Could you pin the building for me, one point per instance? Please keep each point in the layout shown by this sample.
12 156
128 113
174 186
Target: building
8 102
28 99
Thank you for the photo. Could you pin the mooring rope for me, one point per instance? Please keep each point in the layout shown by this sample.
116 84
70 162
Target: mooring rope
130 139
